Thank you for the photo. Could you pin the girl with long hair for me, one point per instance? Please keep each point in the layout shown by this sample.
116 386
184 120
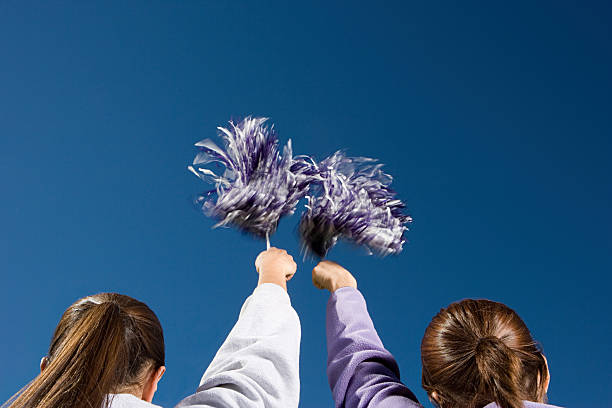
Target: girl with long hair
108 352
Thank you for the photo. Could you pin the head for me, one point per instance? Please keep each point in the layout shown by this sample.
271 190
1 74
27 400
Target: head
475 352
103 344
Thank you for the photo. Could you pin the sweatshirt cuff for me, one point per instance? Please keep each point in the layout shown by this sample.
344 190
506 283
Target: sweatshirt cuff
344 303
272 291
344 292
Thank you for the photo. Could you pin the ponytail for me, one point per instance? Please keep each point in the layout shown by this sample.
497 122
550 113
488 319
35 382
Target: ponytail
500 372
102 344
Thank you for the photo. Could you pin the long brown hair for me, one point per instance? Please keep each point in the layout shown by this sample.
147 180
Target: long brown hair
475 352
105 343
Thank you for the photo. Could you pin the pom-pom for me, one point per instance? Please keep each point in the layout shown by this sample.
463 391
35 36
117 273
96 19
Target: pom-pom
354 201
259 184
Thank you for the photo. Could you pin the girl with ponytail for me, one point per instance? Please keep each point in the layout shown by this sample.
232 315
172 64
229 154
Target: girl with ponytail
478 351
475 354
108 352
104 344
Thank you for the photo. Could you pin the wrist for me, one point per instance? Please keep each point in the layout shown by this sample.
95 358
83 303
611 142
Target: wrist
274 278
344 282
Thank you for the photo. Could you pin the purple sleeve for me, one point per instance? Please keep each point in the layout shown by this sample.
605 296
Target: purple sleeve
361 372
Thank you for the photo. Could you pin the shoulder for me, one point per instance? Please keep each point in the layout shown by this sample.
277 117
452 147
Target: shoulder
128 401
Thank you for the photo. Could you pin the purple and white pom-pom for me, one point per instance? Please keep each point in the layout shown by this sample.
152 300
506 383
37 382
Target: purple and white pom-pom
259 185
354 202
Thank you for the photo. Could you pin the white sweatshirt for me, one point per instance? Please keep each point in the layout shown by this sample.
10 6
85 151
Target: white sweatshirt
258 364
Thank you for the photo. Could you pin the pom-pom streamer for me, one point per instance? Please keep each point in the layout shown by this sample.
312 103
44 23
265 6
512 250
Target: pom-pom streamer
354 202
259 184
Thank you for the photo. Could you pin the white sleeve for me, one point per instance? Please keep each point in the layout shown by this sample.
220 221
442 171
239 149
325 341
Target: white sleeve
258 364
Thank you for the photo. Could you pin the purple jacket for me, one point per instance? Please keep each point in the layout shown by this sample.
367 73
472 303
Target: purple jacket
361 372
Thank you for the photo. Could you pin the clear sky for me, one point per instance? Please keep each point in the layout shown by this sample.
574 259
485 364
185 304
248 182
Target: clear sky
494 119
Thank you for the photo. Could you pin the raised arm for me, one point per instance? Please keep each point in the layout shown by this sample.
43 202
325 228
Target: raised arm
361 372
258 364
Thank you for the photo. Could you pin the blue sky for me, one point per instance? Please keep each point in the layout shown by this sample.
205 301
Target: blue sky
494 120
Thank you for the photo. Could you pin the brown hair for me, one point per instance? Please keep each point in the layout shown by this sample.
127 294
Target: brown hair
475 352
105 343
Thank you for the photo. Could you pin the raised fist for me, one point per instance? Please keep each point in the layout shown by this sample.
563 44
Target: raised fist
275 266
331 276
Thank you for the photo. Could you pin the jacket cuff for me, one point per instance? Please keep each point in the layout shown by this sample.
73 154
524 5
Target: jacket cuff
272 291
